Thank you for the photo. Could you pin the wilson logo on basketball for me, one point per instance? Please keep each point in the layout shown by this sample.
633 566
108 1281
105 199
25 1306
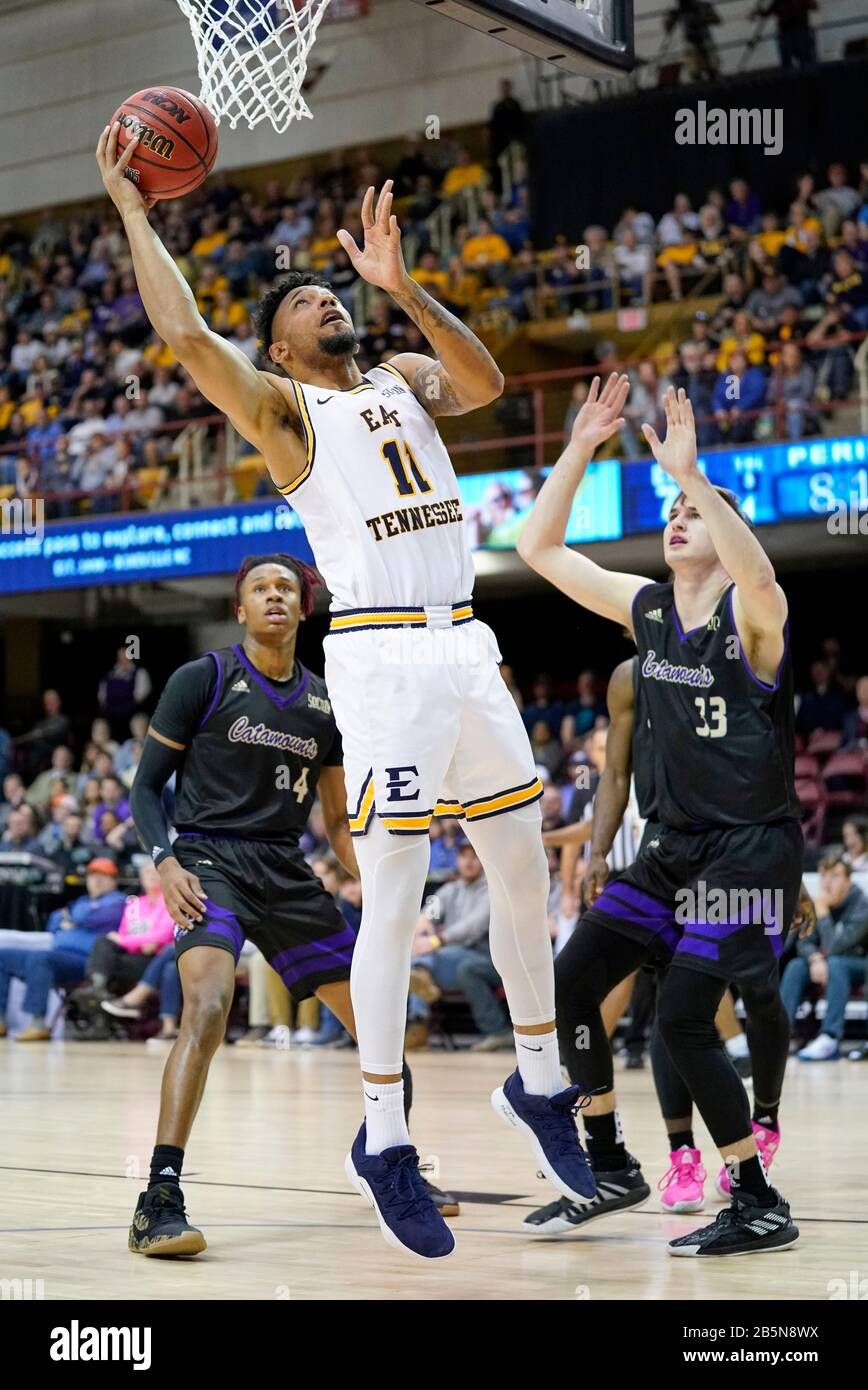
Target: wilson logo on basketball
161 145
166 104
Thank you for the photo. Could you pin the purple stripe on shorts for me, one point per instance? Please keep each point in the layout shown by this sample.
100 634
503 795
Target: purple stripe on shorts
219 921
692 946
716 931
323 960
634 903
338 941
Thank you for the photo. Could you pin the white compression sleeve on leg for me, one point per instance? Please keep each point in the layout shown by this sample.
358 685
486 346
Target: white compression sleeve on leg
511 852
393 870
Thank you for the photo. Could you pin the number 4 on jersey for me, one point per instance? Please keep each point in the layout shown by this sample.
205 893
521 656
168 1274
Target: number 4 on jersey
391 451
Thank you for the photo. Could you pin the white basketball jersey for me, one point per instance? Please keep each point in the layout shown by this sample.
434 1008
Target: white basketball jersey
378 497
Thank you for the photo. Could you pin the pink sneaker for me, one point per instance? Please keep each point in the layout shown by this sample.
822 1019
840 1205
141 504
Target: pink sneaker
768 1141
683 1185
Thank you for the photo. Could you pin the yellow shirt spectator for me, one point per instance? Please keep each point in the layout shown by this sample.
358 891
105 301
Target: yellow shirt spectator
794 235
159 355
207 245
753 345
205 293
462 176
684 254
771 242
486 249
322 249
431 279
7 410
226 317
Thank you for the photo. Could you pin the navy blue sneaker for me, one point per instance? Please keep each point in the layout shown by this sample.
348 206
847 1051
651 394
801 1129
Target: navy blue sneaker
549 1124
392 1184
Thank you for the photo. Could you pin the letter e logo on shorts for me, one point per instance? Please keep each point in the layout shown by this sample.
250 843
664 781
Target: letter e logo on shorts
395 784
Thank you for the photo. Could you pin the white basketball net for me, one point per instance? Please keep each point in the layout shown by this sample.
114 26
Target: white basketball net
252 56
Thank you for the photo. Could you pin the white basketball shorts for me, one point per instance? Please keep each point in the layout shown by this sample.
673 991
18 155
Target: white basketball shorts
428 725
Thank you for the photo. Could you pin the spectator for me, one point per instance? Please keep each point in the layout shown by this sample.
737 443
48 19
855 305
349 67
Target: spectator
634 267
52 729
123 690
464 173
71 852
856 720
854 833
744 336
20 835
507 122
848 292
161 981
62 765
547 752
821 707
451 950
119 958
124 757
76 928
838 201
673 224
113 798
743 211
791 393
14 795
832 956
739 393
796 45
542 706
446 838
765 305
582 713
832 354
644 405
486 252
700 383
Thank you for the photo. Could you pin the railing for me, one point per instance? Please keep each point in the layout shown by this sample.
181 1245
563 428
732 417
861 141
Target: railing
205 463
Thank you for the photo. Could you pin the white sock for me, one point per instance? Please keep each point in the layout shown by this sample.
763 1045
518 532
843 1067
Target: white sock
539 1064
384 1116
737 1046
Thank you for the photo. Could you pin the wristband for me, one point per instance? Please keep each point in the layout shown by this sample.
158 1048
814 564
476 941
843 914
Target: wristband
435 943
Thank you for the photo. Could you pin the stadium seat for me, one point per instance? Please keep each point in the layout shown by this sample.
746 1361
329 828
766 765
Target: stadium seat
844 778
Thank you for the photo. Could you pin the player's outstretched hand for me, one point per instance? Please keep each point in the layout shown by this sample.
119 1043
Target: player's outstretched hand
600 417
122 191
677 452
182 894
381 262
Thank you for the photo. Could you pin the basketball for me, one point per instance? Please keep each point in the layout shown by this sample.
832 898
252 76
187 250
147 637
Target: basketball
178 140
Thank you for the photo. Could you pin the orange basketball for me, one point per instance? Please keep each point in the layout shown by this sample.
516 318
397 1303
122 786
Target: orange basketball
178 140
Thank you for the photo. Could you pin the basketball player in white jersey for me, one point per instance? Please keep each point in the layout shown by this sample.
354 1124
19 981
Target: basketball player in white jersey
427 724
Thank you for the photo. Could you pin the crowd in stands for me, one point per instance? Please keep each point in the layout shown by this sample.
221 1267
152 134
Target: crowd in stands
92 401
66 802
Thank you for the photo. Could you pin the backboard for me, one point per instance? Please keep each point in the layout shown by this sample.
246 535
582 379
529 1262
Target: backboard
579 36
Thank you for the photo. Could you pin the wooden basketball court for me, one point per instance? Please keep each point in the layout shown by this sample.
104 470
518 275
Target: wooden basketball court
266 1184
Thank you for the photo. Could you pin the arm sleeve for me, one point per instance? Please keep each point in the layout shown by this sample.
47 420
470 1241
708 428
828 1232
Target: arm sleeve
156 766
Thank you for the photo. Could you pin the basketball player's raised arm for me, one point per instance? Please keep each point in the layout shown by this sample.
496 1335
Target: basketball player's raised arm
759 604
223 374
464 375
542 543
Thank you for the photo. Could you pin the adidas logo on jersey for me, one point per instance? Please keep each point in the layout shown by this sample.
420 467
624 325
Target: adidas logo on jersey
241 685
654 615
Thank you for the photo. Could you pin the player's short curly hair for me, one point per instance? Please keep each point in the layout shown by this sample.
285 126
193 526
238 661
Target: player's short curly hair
273 298
308 579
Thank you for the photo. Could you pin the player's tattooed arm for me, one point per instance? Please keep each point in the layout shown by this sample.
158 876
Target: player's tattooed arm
463 376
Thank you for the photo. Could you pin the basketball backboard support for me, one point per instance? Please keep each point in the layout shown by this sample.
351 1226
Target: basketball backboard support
593 37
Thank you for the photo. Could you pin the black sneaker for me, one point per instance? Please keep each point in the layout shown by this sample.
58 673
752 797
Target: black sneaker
446 1204
616 1192
634 1061
743 1228
858 1054
160 1225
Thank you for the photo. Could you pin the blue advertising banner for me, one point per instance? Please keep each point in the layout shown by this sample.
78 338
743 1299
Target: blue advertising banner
132 549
